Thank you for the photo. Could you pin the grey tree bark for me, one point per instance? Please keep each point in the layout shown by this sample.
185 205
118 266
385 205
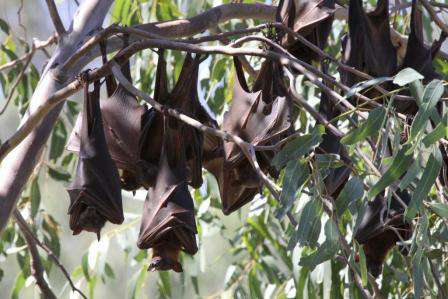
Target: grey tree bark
19 164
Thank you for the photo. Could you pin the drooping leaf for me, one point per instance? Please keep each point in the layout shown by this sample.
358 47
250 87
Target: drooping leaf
296 173
352 191
360 86
326 250
399 165
428 179
440 209
58 140
431 95
308 229
298 147
369 128
363 266
406 76
411 174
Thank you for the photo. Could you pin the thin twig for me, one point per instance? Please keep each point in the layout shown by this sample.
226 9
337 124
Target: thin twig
24 227
37 270
434 16
38 45
57 22
18 80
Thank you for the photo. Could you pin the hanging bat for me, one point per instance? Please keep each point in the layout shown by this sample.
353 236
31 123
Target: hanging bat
95 194
419 56
123 119
261 116
168 224
312 19
368 46
374 233
183 97
331 144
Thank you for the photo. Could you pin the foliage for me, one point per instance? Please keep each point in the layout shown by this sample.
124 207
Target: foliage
268 257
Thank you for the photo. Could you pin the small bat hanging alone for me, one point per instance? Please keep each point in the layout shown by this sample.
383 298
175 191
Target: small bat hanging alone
375 233
168 224
95 194
262 117
312 19
368 46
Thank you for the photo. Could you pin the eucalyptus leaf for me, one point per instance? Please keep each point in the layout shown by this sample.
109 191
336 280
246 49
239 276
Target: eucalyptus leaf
296 173
428 179
370 127
298 147
399 165
406 76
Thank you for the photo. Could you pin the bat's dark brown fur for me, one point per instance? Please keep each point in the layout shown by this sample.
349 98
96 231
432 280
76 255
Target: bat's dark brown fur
312 19
168 223
260 116
95 194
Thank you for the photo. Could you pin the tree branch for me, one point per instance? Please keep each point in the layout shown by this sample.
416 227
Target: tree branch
37 270
32 239
57 22
38 45
17 167
434 16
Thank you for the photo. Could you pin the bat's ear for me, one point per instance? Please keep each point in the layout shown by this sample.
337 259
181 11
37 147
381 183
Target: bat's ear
161 87
98 235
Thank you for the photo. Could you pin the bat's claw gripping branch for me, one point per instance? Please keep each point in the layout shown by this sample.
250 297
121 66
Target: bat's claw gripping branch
83 77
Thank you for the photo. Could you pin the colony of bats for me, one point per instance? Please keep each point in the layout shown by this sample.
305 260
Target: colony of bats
123 144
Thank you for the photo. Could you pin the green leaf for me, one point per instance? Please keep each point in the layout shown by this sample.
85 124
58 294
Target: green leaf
308 229
137 282
296 173
428 179
369 128
18 286
109 271
326 250
352 191
365 84
417 274
58 140
440 209
298 147
399 165
431 95
164 283
438 133
85 266
407 76
254 285
4 26
35 197
363 266
411 174
58 174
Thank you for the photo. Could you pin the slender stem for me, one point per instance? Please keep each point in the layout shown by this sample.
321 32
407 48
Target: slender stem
57 22
27 231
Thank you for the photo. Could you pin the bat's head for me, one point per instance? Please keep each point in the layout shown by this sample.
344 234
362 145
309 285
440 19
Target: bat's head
87 218
165 257
239 187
